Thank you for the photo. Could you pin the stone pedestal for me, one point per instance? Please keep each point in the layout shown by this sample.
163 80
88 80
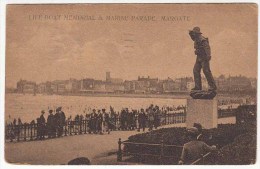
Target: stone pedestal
202 111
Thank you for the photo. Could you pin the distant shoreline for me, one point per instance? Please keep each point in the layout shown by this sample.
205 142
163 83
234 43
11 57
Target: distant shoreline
184 95
165 96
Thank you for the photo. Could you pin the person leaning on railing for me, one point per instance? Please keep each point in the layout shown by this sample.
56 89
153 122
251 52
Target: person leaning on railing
195 148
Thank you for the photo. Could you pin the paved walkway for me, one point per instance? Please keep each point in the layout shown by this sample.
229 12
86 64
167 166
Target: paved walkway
62 150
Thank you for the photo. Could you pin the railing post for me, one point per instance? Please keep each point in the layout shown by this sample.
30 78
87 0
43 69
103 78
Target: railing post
31 136
18 132
24 138
162 152
80 126
7 132
119 153
69 124
11 133
28 130
183 117
85 126
76 127
35 130
66 126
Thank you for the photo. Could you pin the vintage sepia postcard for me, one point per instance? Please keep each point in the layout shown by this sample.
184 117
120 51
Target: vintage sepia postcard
124 84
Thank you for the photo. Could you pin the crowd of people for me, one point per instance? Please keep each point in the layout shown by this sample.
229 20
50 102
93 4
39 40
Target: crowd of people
98 121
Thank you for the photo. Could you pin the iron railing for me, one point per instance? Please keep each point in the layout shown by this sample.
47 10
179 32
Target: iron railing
159 154
30 132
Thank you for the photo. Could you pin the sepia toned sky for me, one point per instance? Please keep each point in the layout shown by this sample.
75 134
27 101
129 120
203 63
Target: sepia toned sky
52 47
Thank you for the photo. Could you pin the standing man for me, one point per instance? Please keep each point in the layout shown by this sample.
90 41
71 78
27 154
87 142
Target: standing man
142 120
51 125
202 50
151 118
123 119
63 120
41 126
99 122
94 121
58 124
156 117
106 122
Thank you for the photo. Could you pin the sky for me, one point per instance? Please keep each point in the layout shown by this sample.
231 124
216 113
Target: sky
51 47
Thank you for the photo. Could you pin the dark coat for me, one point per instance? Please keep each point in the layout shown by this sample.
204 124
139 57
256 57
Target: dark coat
50 120
202 48
42 120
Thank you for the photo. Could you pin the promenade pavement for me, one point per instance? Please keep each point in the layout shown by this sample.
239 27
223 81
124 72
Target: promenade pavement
61 150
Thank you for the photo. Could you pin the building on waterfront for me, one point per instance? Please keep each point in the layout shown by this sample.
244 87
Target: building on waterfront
233 83
24 86
222 83
184 82
115 87
72 86
190 85
109 79
99 86
41 88
253 82
239 83
153 88
54 87
169 85
59 86
87 85
140 85
129 86
10 90
147 84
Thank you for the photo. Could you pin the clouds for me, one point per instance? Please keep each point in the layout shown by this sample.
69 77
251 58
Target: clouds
234 52
50 50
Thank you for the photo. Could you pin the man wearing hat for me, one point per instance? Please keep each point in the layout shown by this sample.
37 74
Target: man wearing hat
41 125
60 120
106 126
195 148
99 122
141 120
63 120
202 50
51 125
